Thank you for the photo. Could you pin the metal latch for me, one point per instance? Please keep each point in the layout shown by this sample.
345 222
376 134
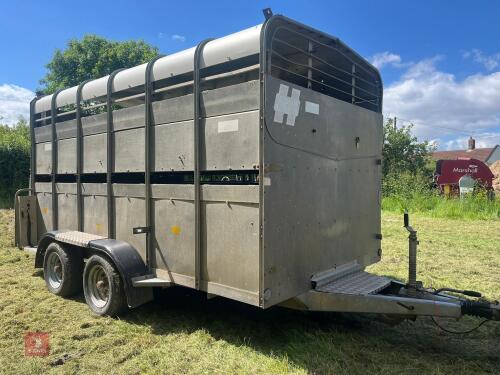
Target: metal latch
141 230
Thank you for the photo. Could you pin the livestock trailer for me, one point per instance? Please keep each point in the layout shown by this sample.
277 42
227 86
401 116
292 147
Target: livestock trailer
247 167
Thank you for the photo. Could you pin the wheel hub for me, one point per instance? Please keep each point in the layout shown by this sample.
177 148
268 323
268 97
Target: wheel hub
54 270
98 286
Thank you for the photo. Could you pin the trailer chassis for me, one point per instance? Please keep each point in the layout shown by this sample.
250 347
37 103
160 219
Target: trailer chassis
399 305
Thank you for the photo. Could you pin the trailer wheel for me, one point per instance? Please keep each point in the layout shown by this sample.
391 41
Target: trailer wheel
103 287
62 270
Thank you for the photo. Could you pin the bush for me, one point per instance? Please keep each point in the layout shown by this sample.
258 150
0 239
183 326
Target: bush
14 161
406 184
475 207
415 193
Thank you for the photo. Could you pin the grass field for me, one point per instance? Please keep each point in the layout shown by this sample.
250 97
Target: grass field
182 332
433 205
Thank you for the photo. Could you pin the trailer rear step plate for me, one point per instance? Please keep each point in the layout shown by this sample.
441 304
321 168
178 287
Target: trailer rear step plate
151 282
360 282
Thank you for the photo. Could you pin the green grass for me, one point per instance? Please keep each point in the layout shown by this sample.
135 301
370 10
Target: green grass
432 205
182 332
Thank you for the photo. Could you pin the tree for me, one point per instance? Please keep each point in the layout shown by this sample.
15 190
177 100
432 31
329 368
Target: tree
406 168
92 57
402 152
14 159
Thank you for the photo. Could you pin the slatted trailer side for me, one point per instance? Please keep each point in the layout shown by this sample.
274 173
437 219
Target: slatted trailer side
180 185
246 167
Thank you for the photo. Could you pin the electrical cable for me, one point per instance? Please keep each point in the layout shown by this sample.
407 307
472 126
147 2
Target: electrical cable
458 332
453 130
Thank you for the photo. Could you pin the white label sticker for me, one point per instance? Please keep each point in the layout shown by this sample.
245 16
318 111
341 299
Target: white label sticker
227 126
47 147
312 108
286 105
267 181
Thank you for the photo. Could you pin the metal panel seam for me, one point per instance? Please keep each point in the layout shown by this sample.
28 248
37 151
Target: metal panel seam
148 87
53 115
79 154
196 182
109 145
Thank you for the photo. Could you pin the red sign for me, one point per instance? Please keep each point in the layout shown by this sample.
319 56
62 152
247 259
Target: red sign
36 344
449 172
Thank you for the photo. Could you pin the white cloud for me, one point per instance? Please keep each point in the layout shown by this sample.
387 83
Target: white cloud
482 140
14 102
490 62
380 59
178 38
443 107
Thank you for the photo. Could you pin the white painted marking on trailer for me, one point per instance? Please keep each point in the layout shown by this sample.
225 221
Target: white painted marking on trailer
286 105
312 108
227 126
47 147
267 181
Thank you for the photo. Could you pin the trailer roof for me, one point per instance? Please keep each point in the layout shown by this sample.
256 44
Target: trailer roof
239 45
230 47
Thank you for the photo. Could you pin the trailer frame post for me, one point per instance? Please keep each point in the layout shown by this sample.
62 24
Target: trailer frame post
109 152
196 177
79 155
32 146
148 139
353 83
53 120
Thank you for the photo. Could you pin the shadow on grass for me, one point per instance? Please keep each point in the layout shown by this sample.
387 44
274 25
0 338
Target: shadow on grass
317 342
38 273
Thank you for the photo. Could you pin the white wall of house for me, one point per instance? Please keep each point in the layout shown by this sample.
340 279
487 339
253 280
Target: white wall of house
494 156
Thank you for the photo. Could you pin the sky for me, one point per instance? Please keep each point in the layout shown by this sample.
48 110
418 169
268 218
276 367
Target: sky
439 60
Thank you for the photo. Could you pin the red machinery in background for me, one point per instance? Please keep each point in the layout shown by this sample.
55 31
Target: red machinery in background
449 172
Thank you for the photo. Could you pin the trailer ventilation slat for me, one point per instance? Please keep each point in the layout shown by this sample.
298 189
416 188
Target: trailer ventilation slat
325 65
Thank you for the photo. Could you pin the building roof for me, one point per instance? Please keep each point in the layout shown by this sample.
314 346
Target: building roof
477 153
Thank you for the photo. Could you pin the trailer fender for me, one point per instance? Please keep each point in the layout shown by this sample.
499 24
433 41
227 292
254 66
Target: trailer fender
129 264
45 241
124 256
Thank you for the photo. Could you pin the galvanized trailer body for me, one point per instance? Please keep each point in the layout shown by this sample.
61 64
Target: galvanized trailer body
249 163
247 167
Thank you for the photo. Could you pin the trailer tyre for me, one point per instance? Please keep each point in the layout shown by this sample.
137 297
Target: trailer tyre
103 287
62 270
